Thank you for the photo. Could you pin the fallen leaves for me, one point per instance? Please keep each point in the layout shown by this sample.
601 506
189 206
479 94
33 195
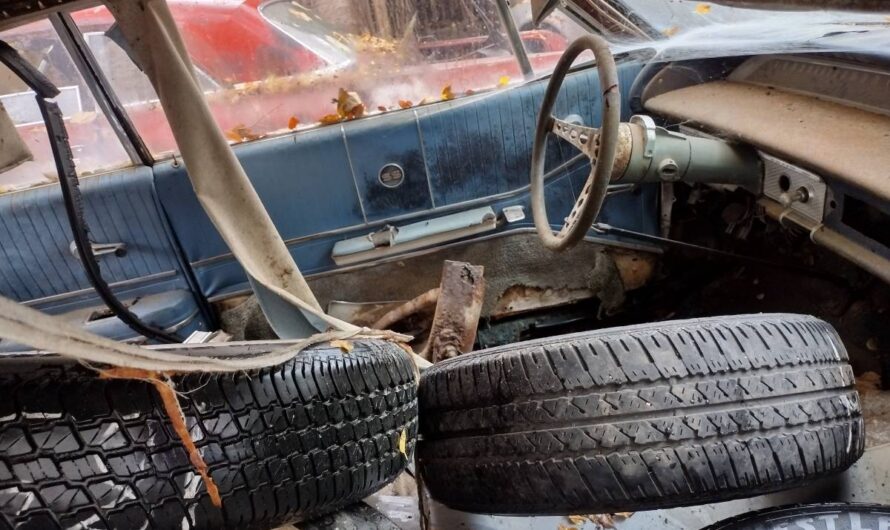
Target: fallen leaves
447 93
241 133
370 43
603 520
405 104
344 345
403 443
349 105
671 31
703 8
292 122
503 81
329 119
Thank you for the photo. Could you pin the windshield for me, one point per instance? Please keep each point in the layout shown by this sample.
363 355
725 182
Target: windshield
308 30
677 29
675 16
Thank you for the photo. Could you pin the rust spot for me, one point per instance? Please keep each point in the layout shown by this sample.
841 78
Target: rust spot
627 136
457 312
519 298
634 268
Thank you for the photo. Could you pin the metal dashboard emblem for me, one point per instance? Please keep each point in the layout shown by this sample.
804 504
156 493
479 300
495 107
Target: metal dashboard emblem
391 175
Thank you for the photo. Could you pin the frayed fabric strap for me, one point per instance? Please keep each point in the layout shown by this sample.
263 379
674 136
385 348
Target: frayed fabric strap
44 332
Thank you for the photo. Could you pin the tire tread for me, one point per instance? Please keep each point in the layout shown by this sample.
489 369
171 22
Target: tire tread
641 417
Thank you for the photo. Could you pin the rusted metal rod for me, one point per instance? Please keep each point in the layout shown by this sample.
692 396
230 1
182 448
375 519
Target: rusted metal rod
407 309
457 313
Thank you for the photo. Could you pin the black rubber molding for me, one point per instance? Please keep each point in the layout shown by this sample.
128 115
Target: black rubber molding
283 444
640 417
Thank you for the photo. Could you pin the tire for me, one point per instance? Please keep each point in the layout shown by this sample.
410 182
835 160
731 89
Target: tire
831 516
283 444
640 417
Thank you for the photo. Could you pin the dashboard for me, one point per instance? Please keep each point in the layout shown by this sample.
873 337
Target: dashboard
822 127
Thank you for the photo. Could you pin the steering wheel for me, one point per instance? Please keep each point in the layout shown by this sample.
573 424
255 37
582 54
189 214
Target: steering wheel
600 146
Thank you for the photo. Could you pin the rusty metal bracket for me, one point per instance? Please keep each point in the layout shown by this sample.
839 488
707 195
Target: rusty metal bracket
457 312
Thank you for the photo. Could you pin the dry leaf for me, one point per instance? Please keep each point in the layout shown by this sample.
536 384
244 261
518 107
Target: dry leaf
405 103
564 527
671 31
447 94
369 43
601 520
403 443
503 81
349 105
703 9
293 122
329 119
381 108
344 345
240 133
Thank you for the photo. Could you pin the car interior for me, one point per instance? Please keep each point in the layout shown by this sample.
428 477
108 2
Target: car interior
636 167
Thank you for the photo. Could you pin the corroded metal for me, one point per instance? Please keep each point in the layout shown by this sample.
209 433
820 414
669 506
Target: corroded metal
457 313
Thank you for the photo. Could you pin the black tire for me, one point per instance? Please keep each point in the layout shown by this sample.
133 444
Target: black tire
640 417
283 444
830 516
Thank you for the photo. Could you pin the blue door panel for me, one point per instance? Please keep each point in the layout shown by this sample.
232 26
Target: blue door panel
223 276
382 140
322 186
304 180
35 237
37 266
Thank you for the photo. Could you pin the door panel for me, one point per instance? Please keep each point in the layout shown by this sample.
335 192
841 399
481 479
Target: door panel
38 267
376 142
305 182
322 186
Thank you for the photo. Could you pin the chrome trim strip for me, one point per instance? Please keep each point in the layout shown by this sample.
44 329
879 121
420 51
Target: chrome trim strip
124 283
